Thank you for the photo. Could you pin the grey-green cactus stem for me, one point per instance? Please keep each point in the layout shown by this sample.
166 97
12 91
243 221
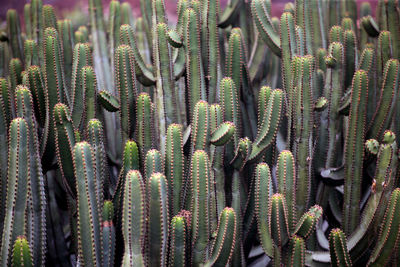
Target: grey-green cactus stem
389 233
153 163
174 167
95 137
388 95
37 235
14 34
303 122
18 187
158 221
125 80
65 142
354 151
89 208
178 236
82 57
224 244
201 205
194 67
67 43
144 74
164 74
263 189
260 10
133 219
108 232
31 53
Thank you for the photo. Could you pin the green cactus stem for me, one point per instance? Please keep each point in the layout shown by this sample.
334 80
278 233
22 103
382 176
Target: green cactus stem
174 167
389 233
14 34
65 142
354 151
153 163
95 137
108 233
133 219
224 243
144 74
126 82
158 222
201 205
286 175
263 188
38 239
178 237
338 248
260 10
385 109
145 123
18 187
82 57
201 126
297 250
31 53
22 255
89 216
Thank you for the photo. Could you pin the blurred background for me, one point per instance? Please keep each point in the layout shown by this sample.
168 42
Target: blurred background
73 8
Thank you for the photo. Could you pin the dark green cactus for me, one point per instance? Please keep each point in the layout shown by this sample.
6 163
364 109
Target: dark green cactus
354 151
338 249
200 99
297 252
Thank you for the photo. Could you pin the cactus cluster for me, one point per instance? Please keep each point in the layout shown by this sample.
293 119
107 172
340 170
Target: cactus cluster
228 138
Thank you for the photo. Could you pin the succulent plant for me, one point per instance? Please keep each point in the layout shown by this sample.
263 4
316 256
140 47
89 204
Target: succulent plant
130 140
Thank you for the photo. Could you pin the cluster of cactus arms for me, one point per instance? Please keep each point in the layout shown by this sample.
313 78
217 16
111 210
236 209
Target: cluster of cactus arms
228 138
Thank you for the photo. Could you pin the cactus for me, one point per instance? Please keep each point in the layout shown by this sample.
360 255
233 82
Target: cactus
297 252
126 83
108 232
18 187
133 220
180 128
338 248
145 120
21 253
81 58
354 151
178 234
157 220
174 167
89 210
37 236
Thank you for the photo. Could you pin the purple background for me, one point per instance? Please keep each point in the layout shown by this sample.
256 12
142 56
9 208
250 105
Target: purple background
67 5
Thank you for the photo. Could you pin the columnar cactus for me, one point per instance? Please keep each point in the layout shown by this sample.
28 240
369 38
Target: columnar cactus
129 140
